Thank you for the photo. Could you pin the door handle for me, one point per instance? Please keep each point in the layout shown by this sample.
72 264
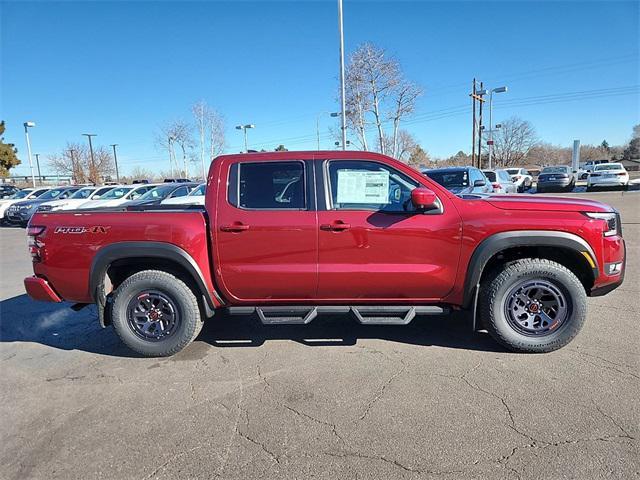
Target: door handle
235 227
338 226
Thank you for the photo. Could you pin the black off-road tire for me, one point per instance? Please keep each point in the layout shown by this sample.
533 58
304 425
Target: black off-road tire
494 292
183 300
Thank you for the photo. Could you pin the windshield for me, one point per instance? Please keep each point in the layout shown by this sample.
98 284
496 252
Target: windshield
117 192
610 166
21 194
198 191
452 179
100 192
554 170
490 175
513 171
158 192
83 193
51 194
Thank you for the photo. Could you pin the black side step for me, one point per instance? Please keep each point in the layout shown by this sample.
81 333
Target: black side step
364 314
392 315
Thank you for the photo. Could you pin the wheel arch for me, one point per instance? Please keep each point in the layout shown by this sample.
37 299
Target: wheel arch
119 260
566 248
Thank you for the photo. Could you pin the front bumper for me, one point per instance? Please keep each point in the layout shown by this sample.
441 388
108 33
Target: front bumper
19 216
39 289
607 283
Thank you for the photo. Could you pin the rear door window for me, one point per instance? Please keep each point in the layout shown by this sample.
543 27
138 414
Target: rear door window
268 185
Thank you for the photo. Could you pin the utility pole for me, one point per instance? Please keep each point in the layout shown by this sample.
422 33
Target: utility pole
115 159
476 96
37 155
93 164
28 125
343 113
473 123
481 94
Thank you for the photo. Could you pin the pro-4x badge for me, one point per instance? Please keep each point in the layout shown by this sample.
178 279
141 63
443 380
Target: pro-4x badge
78 230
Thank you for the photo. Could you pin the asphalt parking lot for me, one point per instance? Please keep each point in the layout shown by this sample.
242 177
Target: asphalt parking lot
330 400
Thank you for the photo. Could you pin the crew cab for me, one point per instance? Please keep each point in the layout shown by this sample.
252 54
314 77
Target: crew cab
289 236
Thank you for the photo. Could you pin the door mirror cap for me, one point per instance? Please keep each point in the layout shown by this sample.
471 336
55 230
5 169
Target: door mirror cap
479 183
423 198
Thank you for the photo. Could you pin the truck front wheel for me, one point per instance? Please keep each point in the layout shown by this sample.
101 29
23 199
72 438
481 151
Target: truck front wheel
155 313
533 305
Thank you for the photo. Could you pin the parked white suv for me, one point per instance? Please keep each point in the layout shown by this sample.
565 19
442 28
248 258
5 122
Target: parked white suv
608 175
521 177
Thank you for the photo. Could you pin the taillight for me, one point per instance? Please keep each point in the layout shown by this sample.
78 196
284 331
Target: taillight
622 174
36 245
496 186
35 230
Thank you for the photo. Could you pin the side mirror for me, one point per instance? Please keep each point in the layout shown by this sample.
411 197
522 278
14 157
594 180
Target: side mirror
423 198
479 183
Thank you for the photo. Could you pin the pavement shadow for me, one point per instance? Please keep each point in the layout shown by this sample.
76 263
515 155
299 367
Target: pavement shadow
57 326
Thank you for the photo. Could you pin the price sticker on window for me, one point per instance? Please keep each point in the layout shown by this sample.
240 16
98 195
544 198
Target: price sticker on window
363 186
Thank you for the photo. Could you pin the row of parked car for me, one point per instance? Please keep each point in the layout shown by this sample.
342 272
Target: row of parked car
468 180
19 207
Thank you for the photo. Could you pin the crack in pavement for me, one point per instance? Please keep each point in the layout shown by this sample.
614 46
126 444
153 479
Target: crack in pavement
380 393
591 355
244 435
389 461
512 421
173 459
333 427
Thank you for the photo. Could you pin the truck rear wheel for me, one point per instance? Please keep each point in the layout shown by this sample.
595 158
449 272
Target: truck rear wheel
155 313
533 305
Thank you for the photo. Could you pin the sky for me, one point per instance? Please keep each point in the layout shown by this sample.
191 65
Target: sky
123 69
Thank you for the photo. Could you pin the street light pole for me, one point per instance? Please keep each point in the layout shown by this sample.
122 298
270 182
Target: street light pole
332 114
27 125
74 170
244 129
37 155
493 90
93 164
343 113
115 159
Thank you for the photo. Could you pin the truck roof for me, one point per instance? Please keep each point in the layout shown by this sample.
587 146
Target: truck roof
305 155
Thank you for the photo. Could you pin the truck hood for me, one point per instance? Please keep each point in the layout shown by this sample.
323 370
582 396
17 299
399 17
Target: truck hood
556 204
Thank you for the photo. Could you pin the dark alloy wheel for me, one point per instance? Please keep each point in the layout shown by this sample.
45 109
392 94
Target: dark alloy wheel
533 305
155 313
153 316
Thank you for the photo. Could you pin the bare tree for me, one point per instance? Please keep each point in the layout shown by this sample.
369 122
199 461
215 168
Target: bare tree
217 141
210 129
377 93
513 142
405 143
404 98
75 160
176 135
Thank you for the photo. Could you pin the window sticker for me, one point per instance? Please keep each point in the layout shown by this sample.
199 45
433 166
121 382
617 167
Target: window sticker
363 186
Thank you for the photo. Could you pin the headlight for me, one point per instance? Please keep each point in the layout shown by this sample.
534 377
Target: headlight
612 219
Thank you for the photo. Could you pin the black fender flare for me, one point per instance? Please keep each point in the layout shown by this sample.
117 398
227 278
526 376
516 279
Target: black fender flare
140 250
498 242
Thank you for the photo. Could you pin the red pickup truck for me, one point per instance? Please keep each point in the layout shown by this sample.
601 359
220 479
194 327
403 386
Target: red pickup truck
292 235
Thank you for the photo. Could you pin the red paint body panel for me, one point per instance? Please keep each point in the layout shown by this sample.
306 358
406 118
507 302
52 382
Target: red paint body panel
38 289
283 257
68 256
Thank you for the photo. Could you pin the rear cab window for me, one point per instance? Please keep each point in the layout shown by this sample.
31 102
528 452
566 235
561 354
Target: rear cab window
268 185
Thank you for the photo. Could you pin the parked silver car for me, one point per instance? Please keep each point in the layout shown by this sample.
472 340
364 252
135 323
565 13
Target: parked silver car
501 181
